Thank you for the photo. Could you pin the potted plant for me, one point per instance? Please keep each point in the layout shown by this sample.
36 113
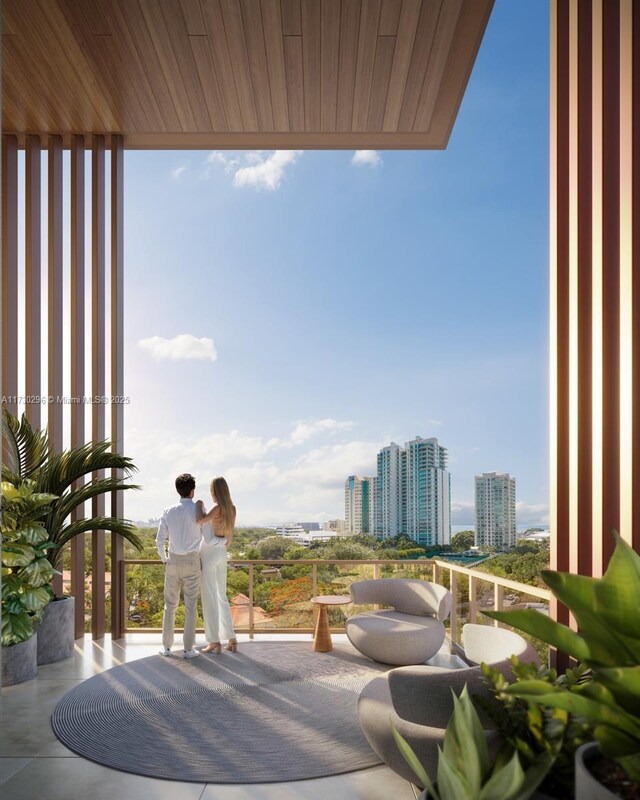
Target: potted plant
464 768
26 572
532 729
608 641
68 476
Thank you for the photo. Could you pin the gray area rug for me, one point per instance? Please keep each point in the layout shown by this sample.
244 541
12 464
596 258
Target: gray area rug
273 711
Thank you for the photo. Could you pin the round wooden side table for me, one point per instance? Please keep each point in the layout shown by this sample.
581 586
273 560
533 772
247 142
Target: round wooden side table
322 637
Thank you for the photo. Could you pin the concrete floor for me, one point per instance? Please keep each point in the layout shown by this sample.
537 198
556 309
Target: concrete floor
34 764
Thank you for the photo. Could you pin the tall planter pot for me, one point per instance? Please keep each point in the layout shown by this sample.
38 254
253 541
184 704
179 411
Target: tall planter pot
588 787
19 662
55 632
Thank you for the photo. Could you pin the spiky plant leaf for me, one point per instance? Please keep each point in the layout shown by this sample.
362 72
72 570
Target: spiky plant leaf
414 762
26 449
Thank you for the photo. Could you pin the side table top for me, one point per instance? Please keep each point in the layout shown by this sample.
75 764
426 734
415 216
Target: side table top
331 599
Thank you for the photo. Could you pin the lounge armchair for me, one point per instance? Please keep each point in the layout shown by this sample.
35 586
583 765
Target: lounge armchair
418 699
411 632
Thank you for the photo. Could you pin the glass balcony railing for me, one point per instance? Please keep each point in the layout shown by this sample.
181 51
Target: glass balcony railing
275 595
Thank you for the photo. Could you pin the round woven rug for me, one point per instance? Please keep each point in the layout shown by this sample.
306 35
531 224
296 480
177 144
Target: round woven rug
273 711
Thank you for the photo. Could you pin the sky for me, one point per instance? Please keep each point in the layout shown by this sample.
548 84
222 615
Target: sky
289 313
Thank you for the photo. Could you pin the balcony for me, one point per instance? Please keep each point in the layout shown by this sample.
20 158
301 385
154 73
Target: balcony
34 763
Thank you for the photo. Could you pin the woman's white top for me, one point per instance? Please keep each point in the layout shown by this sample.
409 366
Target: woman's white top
209 538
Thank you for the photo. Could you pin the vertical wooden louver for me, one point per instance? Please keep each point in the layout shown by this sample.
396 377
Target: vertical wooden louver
595 281
105 280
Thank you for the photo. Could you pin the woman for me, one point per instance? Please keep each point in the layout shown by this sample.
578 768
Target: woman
217 533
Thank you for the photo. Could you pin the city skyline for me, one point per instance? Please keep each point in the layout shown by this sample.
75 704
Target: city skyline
288 314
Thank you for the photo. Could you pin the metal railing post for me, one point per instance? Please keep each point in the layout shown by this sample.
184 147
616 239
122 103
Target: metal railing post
251 625
473 599
498 602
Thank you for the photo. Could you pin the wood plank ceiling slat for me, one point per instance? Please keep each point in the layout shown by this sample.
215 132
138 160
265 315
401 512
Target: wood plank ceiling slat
447 24
132 68
221 60
367 42
330 58
311 62
407 29
180 44
380 83
257 57
274 47
238 51
295 88
349 28
291 18
425 34
209 82
193 19
389 17
129 13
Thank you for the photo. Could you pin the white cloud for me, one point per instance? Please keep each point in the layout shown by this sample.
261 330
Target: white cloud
366 158
265 172
180 348
258 169
177 172
435 422
304 430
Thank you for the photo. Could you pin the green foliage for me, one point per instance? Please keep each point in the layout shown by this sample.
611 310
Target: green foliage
464 769
273 548
534 730
64 476
463 541
608 641
26 569
523 564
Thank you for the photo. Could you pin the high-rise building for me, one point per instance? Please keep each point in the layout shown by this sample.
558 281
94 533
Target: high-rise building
495 510
413 492
426 506
388 509
359 494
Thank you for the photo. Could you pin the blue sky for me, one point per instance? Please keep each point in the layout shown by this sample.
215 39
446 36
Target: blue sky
348 304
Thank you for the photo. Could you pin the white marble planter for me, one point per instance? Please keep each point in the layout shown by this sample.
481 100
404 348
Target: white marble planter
55 632
19 662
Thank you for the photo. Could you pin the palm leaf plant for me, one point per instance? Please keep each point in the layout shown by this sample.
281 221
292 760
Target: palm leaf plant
69 475
607 640
26 568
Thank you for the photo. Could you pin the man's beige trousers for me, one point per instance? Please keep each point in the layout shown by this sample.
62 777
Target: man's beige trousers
181 573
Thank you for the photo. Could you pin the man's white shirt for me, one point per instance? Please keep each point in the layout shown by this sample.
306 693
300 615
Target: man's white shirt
178 525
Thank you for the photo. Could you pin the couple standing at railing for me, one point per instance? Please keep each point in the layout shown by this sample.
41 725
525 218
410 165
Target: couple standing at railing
197 562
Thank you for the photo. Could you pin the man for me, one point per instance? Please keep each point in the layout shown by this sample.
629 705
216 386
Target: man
182 566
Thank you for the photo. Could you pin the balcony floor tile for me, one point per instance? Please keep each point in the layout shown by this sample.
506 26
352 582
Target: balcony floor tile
33 763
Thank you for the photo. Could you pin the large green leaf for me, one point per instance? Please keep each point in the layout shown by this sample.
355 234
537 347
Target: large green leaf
413 761
35 599
624 683
452 782
631 765
17 555
506 783
617 595
38 573
26 448
33 534
16 628
577 592
550 631
465 744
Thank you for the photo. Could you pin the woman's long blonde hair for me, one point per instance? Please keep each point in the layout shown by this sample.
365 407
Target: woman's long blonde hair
221 495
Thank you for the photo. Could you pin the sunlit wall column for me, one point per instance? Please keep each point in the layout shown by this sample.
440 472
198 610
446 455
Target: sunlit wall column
595 281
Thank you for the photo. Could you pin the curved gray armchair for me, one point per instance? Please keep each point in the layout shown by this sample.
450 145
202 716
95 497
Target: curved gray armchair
418 700
411 632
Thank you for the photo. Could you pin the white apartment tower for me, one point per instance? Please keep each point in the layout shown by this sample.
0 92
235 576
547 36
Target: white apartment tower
426 492
414 492
388 508
495 510
359 504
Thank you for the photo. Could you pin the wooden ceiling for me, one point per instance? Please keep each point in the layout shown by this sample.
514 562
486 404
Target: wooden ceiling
241 73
